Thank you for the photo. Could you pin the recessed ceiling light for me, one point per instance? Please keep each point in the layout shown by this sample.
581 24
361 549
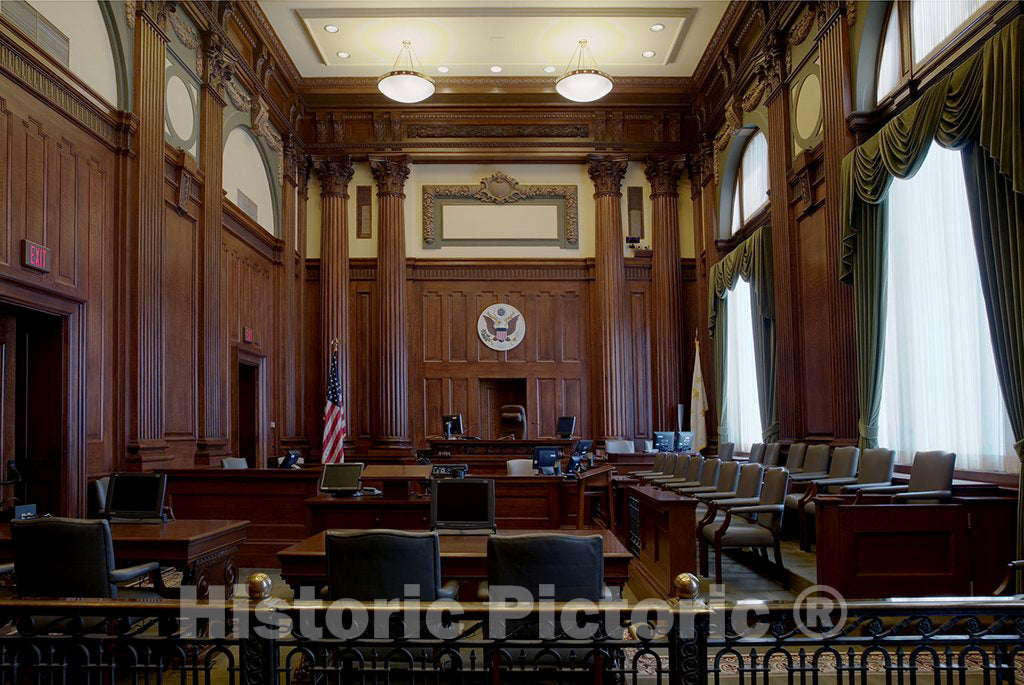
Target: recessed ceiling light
549 70
647 54
331 28
657 27
496 69
344 55
442 70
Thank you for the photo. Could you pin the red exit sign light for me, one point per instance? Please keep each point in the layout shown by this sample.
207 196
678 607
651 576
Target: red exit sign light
248 335
35 256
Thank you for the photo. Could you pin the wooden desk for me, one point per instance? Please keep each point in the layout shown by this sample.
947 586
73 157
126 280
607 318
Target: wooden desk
662 527
397 481
369 511
875 549
271 499
463 558
204 550
488 457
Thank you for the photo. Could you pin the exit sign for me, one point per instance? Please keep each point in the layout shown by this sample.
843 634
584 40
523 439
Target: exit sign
248 335
35 256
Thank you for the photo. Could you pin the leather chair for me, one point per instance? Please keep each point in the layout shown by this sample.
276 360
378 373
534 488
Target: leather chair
843 466
795 458
643 446
64 557
234 463
816 463
659 461
618 446
513 421
725 482
377 564
756 453
668 467
573 564
931 479
687 470
707 482
726 451
761 530
98 492
747 492
519 467
772 452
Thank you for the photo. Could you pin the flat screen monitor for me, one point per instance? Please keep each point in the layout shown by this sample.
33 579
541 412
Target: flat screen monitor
451 424
583 447
575 464
545 459
341 479
462 504
664 441
566 426
136 495
684 441
289 460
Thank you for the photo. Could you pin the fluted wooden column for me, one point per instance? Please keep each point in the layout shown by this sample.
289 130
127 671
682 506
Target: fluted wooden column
335 175
145 251
834 53
614 389
213 434
391 394
666 290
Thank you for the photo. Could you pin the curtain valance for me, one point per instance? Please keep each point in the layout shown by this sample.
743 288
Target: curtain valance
752 261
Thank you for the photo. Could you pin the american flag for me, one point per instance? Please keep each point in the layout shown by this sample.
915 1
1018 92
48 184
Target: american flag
335 427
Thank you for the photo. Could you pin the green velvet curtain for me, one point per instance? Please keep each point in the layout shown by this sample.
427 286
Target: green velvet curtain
751 261
979 110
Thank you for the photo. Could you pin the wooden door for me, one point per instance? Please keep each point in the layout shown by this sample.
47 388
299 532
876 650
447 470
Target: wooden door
494 394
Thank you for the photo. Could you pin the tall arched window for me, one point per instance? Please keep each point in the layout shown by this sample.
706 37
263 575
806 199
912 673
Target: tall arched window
890 66
932 23
750 195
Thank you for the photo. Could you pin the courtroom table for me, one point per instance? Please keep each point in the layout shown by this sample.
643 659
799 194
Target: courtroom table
271 499
662 527
874 548
463 558
626 463
488 457
368 511
397 481
204 550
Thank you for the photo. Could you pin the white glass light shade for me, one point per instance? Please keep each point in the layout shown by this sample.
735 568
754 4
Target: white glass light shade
405 86
584 85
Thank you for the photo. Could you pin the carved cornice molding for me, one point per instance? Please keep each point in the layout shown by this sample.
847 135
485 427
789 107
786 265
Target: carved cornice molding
390 172
156 11
663 173
497 131
188 36
262 126
607 173
718 39
334 83
334 175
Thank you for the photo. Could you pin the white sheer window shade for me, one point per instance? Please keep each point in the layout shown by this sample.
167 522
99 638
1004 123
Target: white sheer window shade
737 224
743 415
934 21
889 71
755 175
939 383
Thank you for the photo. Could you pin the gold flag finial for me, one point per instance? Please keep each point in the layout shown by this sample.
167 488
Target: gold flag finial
335 343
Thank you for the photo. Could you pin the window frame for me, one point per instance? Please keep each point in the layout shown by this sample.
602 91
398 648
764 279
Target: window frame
762 216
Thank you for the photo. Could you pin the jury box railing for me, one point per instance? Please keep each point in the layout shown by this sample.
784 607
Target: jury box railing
258 640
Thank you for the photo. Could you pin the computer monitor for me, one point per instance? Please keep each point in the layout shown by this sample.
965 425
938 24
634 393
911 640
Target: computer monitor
451 424
583 447
664 441
566 426
136 495
462 504
545 459
342 479
289 460
575 464
684 441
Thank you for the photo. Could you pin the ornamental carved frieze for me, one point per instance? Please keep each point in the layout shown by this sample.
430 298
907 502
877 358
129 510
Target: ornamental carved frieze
262 127
334 174
156 10
497 131
607 173
390 173
295 161
219 66
663 173
501 189
338 126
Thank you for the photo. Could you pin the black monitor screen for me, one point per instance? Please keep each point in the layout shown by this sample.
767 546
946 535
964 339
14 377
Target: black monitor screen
583 447
462 503
664 441
341 477
452 424
566 426
136 494
289 460
545 457
684 441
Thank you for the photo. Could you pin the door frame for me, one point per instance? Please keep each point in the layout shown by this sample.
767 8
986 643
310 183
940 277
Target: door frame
73 464
241 356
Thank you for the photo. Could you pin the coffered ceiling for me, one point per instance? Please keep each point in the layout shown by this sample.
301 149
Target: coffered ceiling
472 38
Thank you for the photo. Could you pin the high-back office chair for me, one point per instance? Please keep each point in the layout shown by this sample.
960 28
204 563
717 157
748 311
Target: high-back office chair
519 467
513 421
64 557
574 565
688 468
618 446
795 458
746 493
931 479
756 453
708 478
816 463
377 564
760 532
772 451
726 451
659 462
234 463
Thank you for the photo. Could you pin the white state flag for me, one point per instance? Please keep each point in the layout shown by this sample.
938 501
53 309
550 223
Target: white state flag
698 403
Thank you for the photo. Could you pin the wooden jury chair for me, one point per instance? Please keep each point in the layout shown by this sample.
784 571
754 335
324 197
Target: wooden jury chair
728 474
687 470
708 478
378 564
931 478
668 467
726 451
771 454
816 463
513 421
795 458
762 530
747 492
659 462
756 453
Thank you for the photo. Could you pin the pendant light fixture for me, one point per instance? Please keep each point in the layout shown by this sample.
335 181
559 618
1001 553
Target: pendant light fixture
580 82
404 83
